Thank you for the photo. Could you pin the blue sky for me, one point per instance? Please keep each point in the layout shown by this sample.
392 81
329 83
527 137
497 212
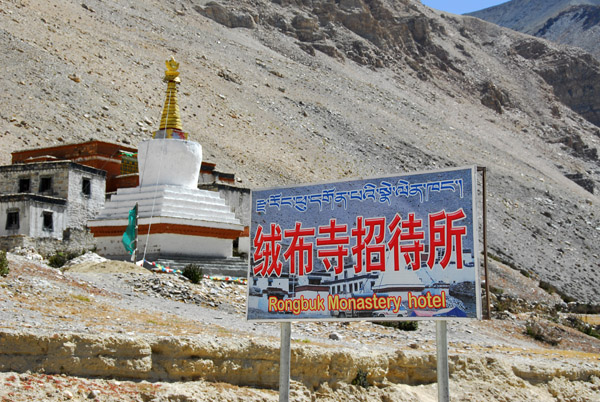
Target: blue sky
461 6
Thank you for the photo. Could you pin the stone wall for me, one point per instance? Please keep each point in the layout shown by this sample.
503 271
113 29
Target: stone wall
238 199
82 207
73 240
35 172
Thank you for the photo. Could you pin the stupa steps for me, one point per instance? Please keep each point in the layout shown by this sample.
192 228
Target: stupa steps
193 216
170 205
197 196
233 266
166 188
122 208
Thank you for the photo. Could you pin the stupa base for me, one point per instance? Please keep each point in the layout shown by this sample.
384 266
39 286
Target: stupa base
167 237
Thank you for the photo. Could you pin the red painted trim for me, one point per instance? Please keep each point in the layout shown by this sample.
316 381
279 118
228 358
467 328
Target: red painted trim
170 228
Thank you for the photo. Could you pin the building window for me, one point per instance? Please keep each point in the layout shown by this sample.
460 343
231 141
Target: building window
24 185
129 163
12 220
86 187
48 223
45 184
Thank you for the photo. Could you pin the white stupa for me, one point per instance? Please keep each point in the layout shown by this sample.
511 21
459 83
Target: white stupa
176 219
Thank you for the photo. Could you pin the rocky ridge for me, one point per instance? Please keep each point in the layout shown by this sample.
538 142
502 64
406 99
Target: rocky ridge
576 26
511 14
570 22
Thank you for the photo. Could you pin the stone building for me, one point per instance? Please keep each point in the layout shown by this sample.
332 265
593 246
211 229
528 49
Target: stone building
48 199
114 159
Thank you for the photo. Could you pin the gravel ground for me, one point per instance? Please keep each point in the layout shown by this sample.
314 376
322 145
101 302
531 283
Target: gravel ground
99 302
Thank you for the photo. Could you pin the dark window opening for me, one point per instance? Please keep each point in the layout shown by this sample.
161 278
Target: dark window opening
48 224
86 187
12 220
45 184
24 185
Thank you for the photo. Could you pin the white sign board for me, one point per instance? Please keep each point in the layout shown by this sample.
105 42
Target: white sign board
400 247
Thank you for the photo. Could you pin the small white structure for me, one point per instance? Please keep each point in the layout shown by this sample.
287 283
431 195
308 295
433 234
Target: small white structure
176 219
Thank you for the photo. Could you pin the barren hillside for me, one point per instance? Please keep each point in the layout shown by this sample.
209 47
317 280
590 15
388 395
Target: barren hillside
527 15
286 91
570 22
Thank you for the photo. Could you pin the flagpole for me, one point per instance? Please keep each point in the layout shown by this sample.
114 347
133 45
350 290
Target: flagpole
135 241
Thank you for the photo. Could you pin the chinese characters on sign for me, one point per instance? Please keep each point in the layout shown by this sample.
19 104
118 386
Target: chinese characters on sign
368 236
391 247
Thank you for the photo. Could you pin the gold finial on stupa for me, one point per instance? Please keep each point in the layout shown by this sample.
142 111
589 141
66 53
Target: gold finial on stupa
172 66
170 121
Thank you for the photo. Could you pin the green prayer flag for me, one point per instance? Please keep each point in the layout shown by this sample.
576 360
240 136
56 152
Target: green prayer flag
129 235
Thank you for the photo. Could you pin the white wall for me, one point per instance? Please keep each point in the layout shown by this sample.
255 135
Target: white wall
31 219
82 208
36 220
169 161
165 245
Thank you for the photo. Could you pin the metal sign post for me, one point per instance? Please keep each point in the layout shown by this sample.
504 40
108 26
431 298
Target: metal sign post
483 170
441 342
284 362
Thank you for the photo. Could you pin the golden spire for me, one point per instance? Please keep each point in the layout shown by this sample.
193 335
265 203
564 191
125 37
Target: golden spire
170 121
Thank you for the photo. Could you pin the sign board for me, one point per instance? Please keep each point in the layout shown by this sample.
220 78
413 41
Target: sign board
391 248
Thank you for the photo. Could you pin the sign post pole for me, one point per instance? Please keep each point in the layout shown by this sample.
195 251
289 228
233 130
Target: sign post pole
441 341
284 362
135 244
482 169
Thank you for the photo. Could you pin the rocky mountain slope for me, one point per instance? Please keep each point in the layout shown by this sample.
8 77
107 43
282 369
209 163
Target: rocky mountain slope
294 91
570 22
